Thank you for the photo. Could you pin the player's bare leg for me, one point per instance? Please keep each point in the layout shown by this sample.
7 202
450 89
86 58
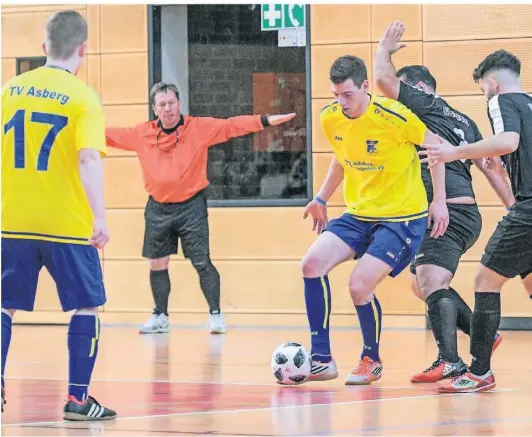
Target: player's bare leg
160 287
368 273
325 253
484 324
7 321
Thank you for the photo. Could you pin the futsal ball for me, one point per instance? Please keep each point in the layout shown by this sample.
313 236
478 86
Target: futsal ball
290 364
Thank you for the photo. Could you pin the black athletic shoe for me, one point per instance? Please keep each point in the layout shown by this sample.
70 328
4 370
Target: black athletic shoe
88 410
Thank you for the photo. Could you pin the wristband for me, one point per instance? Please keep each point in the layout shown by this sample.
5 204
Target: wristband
264 120
320 200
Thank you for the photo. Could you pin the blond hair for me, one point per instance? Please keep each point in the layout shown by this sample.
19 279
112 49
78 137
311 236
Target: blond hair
65 32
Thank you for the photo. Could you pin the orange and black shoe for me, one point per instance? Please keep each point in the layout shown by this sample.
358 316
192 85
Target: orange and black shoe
496 342
439 370
366 372
86 411
3 399
469 383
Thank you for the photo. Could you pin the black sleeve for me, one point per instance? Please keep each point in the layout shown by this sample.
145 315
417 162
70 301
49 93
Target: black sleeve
478 135
503 115
419 102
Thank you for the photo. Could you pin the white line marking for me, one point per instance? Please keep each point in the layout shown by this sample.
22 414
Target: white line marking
247 410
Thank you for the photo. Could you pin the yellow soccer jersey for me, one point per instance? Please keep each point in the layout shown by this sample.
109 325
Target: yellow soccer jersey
382 171
48 115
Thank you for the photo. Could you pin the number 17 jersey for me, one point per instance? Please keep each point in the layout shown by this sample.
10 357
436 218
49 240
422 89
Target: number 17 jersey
48 115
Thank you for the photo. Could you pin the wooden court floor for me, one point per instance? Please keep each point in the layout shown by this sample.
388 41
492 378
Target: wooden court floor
191 383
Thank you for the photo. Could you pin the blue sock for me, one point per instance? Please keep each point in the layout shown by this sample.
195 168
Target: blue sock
83 336
370 318
6 340
318 301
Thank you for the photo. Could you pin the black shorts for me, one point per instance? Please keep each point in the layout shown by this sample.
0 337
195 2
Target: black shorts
166 223
509 250
465 224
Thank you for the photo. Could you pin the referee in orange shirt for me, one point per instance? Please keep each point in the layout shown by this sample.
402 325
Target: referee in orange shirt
173 153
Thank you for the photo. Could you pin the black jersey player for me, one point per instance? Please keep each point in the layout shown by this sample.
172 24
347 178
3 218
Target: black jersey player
437 259
509 251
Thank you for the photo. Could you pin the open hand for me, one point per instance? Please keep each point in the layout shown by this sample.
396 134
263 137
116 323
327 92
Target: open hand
274 120
436 153
390 41
318 212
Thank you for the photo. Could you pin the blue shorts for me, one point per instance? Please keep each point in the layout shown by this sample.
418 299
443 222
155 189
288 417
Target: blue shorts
394 243
75 269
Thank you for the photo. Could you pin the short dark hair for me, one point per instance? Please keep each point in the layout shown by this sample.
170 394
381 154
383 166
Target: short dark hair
348 67
413 74
499 60
162 87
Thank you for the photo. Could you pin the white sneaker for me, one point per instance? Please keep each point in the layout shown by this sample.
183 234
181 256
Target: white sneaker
323 371
156 324
216 324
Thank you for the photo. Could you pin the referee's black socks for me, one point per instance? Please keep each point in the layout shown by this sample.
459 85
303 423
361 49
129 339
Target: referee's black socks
160 288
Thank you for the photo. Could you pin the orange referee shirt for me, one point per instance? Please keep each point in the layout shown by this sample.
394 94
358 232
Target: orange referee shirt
174 166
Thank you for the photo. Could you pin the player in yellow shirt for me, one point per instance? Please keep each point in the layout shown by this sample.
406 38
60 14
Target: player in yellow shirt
53 211
374 142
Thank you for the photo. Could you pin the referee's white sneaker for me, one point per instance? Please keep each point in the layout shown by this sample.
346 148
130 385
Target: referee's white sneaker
216 323
156 324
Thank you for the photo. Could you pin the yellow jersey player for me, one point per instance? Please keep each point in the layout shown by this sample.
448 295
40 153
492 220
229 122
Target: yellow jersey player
53 211
374 142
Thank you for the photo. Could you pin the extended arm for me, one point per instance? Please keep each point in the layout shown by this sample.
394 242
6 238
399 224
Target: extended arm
124 138
438 212
385 74
220 130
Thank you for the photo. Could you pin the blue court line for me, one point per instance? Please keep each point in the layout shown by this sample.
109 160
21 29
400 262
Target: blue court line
355 431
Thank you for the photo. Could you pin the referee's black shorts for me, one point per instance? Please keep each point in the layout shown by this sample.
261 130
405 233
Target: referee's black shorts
509 250
166 223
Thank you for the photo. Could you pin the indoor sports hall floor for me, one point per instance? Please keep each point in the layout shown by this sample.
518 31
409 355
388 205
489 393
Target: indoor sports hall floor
191 383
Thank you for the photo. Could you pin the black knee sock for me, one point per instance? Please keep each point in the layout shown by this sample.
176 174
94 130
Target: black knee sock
463 313
484 324
160 288
442 316
209 282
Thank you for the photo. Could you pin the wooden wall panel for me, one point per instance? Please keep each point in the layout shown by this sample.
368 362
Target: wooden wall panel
24 33
320 166
247 286
50 8
46 299
124 186
286 235
490 217
9 69
333 24
124 29
124 116
324 56
383 15
124 78
463 22
93 73
452 63
93 22
319 140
